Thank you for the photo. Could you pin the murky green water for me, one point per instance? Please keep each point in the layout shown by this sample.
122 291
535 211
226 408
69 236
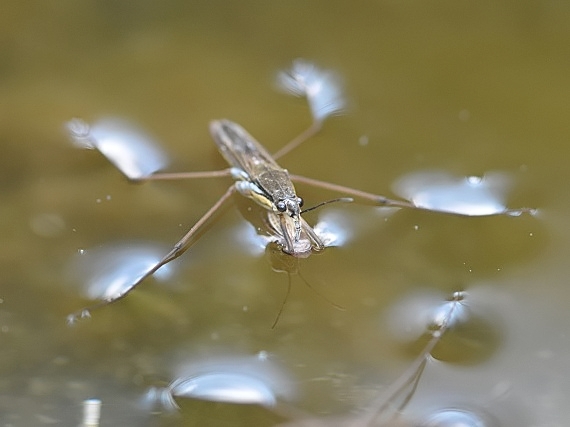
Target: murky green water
465 87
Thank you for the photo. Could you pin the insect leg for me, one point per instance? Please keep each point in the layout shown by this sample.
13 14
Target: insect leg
374 198
178 249
318 244
185 175
299 139
289 247
184 243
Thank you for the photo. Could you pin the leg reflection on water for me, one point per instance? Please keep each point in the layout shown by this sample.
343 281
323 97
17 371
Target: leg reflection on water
387 408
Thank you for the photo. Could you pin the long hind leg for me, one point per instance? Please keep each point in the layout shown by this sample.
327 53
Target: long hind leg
178 249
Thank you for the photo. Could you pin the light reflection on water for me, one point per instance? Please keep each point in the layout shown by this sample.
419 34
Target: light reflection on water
129 149
254 380
173 69
110 270
439 191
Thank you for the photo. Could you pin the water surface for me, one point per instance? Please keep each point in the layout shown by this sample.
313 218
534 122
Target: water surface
464 88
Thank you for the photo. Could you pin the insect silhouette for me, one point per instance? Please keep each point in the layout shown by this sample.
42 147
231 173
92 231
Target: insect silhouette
256 173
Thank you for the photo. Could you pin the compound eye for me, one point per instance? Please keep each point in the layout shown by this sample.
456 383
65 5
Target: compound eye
281 206
300 201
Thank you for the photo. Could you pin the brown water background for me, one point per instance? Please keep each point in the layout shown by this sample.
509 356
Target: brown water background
465 87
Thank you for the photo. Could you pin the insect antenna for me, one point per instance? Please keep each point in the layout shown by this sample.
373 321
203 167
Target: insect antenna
339 199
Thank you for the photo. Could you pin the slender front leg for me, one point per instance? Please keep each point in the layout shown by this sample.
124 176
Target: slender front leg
316 241
178 249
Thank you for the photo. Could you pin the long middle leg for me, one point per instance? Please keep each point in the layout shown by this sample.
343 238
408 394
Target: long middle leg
374 198
186 175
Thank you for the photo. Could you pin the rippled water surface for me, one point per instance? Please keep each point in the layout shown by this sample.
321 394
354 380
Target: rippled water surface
464 89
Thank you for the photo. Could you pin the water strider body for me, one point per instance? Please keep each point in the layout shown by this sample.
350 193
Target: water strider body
259 178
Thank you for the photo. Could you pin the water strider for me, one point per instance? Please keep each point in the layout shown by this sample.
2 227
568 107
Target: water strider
256 173
258 177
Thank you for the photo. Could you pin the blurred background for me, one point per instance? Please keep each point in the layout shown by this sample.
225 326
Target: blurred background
463 87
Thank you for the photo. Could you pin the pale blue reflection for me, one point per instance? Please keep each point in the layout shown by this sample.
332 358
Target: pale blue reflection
109 271
450 313
225 387
335 228
454 417
250 240
338 227
253 380
411 317
450 405
442 192
133 152
320 87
